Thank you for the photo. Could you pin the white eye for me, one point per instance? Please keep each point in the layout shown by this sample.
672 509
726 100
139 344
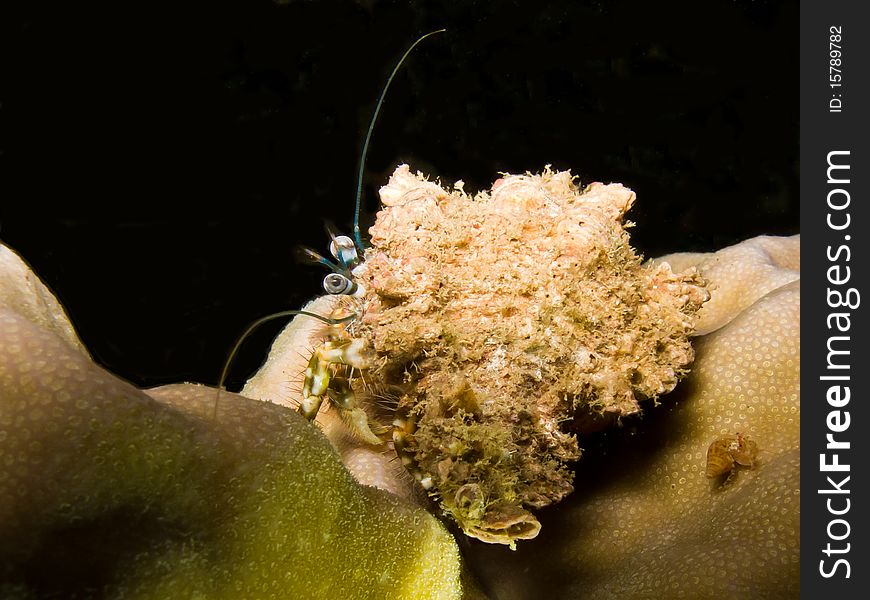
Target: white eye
343 249
336 283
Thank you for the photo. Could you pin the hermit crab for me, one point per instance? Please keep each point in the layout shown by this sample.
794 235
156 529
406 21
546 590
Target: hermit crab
477 336
729 450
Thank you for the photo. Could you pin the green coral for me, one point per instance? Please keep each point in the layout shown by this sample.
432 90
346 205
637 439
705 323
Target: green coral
111 491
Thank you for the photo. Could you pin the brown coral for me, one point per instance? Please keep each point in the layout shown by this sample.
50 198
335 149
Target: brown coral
507 320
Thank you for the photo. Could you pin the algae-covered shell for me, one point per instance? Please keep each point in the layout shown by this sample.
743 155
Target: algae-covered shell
507 319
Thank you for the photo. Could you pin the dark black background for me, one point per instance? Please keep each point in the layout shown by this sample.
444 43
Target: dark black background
160 162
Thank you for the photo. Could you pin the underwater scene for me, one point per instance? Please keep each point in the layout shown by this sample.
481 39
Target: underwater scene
401 300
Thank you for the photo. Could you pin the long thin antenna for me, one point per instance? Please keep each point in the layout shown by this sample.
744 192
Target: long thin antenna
362 164
257 323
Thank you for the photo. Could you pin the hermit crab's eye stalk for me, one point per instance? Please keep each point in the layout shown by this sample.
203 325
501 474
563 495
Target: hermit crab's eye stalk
336 283
344 251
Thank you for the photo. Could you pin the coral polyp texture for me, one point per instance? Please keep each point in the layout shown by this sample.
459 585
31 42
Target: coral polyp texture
507 323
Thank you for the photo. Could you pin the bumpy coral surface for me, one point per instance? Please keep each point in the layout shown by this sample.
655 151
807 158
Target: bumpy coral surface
650 523
509 321
647 523
112 492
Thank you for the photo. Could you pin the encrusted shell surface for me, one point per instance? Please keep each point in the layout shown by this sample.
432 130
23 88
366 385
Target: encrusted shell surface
510 321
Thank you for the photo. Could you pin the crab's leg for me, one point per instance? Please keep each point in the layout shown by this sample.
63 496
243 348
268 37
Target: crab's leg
354 417
404 426
317 375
